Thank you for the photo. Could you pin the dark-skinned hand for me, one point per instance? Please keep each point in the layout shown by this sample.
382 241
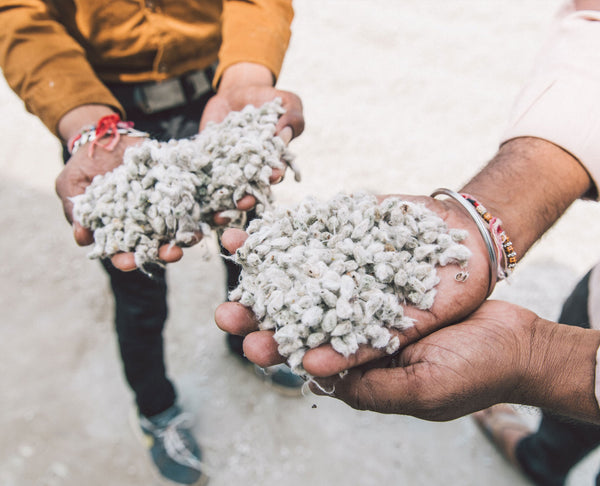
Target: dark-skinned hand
454 300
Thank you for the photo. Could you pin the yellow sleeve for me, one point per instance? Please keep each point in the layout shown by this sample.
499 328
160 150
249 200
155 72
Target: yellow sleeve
44 65
255 31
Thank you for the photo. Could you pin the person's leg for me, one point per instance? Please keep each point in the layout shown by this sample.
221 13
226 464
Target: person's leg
140 314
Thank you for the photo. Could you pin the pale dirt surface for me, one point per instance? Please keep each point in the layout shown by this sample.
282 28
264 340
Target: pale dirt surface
399 97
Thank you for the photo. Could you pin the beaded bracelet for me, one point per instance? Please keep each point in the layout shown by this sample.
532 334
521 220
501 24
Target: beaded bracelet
109 125
493 274
502 242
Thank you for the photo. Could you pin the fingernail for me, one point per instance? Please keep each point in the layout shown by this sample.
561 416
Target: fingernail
286 134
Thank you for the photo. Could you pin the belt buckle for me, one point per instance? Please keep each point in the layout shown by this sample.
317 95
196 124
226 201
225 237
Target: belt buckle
155 97
197 84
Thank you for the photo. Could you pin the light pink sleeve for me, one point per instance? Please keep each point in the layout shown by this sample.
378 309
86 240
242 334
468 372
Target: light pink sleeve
597 381
561 100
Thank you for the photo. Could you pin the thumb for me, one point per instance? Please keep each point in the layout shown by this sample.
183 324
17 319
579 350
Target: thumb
286 134
386 390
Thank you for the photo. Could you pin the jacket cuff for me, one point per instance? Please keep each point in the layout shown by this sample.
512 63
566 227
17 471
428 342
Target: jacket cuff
51 101
256 31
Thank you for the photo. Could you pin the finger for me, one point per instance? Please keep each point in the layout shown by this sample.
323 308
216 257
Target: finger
198 235
83 236
170 253
261 348
233 238
293 116
246 203
383 390
286 134
276 176
325 361
324 385
220 220
124 262
234 318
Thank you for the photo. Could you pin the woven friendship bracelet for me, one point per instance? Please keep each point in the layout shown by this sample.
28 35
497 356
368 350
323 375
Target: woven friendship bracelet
108 126
485 234
507 255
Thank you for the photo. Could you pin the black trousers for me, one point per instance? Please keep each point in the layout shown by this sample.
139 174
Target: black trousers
560 443
140 300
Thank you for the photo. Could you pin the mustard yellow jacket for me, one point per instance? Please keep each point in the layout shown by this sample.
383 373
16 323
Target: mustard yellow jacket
56 54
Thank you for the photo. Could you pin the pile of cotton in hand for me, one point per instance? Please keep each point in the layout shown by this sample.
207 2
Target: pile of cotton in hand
168 192
339 271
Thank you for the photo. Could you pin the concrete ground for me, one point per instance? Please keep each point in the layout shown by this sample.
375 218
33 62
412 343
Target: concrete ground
400 97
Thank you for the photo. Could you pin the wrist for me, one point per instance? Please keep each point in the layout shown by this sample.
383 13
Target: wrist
106 133
558 370
528 185
76 119
246 74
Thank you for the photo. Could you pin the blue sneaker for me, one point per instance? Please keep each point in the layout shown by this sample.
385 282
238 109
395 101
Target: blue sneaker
172 446
280 377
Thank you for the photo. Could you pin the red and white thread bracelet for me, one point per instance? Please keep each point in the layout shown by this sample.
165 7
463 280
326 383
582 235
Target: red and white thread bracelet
108 126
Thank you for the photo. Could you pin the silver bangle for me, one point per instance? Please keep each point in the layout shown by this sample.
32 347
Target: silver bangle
487 238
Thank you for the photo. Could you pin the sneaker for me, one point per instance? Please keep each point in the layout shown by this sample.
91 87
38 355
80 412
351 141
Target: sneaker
280 377
172 446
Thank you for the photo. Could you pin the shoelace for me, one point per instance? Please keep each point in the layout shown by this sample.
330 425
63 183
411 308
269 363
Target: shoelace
175 446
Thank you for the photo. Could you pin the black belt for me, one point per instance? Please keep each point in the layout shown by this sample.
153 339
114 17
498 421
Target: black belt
154 97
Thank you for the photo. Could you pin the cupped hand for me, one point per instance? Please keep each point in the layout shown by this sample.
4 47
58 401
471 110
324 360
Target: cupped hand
235 98
454 300
452 372
235 95
78 173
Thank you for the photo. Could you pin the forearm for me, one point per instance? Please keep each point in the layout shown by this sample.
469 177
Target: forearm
550 153
559 371
44 65
528 185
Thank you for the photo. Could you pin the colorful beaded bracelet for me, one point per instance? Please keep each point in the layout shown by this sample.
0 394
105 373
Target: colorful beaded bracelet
501 240
485 234
108 126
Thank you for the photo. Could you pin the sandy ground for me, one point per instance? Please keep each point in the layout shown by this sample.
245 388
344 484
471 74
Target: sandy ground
400 97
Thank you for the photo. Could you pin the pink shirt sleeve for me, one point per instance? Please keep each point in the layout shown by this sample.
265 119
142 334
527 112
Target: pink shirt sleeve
597 381
561 100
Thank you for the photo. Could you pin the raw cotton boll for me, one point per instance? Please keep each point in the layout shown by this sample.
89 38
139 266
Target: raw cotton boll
169 191
340 271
